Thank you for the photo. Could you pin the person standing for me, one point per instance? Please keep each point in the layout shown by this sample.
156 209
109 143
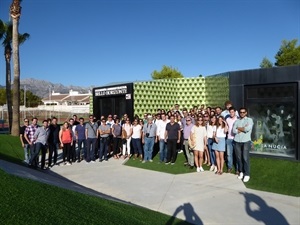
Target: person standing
219 143
24 142
29 136
136 139
160 132
41 140
172 137
104 132
149 138
91 139
128 128
186 135
116 131
199 140
53 141
80 139
229 141
242 128
66 142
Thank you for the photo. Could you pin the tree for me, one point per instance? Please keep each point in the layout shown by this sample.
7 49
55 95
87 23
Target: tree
288 54
32 100
165 73
6 36
15 13
266 63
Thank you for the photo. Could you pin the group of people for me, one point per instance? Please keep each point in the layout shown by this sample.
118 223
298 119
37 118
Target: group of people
205 135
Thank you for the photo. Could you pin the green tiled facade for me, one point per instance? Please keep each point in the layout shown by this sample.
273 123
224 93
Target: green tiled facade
163 94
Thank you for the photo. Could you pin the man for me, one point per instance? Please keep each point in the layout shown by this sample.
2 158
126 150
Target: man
29 136
185 115
225 113
80 139
24 142
161 129
218 111
172 137
229 141
186 134
53 141
104 132
41 138
148 139
91 139
242 129
110 122
76 122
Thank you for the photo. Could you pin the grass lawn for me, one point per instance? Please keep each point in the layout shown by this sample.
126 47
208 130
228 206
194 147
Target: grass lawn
11 148
25 201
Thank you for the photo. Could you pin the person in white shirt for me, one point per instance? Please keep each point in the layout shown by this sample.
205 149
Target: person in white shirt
160 133
229 141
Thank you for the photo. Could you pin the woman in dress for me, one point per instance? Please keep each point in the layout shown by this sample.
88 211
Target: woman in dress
66 141
218 146
199 140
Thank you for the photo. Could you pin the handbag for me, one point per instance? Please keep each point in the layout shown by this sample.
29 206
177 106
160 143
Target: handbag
191 145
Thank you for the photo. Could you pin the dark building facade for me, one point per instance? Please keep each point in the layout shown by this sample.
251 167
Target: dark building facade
272 99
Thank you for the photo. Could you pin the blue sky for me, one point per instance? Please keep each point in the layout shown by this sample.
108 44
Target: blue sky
96 42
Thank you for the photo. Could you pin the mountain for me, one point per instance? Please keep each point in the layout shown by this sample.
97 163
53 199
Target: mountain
42 88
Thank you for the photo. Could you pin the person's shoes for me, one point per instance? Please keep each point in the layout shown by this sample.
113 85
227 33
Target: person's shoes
100 160
172 164
78 161
229 170
186 163
201 169
92 161
240 176
215 169
180 151
167 163
143 161
212 167
246 179
150 160
105 160
191 167
68 164
198 169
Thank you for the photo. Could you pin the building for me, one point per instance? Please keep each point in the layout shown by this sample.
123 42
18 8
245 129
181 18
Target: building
72 98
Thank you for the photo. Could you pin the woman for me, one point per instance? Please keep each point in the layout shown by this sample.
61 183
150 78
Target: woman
199 140
127 127
136 140
66 142
116 131
209 129
218 146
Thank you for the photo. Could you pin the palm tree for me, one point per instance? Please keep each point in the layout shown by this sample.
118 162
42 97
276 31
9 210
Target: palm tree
6 36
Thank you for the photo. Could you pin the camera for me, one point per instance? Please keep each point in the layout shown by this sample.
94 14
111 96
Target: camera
147 134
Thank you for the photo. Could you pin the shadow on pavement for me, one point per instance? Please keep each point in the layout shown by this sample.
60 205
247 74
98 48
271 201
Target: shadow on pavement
258 209
191 216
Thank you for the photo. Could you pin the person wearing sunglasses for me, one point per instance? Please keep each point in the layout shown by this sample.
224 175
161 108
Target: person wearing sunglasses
24 142
242 128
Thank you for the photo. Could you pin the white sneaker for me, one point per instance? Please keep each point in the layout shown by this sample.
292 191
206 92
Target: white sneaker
68 164
201 169
246 179
212 167
240 176
198 169
215 169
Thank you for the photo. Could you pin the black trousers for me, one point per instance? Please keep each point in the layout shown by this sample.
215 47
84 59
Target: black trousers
172 150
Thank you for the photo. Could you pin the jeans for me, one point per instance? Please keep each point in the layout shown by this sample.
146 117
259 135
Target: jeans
80 143
211 151
148 148
137 146
103 147
172 150
90 149
242 155
53 148
27 153
34 161
229 149
40 147
163 150
189 154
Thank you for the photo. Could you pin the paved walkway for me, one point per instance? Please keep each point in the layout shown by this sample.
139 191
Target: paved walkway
200 198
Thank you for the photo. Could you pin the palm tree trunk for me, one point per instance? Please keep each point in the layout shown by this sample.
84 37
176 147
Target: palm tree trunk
8 84
15 12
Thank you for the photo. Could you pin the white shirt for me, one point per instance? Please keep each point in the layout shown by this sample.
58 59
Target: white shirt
136 131
219 132
161 128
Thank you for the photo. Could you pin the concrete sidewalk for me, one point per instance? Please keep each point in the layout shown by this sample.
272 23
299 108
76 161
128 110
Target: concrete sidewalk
200 198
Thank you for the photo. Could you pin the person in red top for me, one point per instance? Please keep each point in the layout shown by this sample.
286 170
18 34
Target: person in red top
66 141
